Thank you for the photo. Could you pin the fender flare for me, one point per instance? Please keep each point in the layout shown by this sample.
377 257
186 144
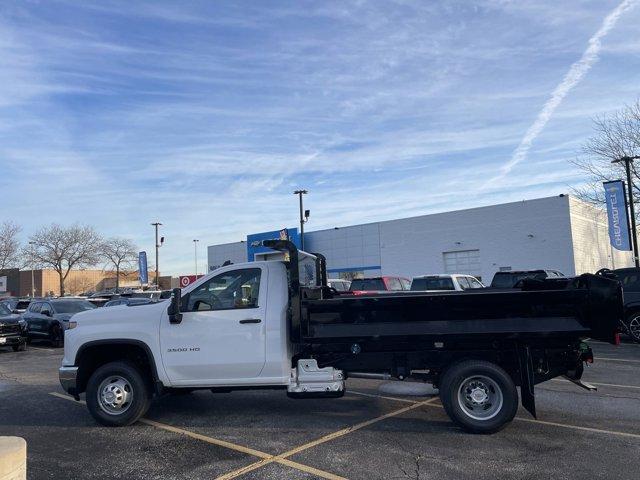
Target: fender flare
121 341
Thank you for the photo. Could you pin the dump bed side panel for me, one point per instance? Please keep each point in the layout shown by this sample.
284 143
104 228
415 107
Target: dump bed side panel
588 306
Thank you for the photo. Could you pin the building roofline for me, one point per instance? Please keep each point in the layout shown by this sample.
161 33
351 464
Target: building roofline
562 195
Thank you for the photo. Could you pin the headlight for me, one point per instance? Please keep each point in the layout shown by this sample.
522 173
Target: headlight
72 324
22 323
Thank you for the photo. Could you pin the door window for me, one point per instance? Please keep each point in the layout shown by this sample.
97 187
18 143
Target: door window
464 283
474 283
393 284
226 291
35 307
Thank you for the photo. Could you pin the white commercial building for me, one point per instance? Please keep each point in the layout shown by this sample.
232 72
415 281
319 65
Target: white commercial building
561 233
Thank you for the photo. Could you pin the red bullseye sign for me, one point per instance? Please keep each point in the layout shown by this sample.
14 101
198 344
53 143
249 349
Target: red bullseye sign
187 280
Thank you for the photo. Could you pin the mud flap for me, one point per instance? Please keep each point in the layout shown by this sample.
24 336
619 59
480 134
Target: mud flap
527 394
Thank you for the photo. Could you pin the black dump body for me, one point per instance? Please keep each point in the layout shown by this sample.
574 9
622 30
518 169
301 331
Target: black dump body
580 307
534 333
586 306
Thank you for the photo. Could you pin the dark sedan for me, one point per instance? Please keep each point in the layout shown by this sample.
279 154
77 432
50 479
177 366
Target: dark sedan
48 319
13 330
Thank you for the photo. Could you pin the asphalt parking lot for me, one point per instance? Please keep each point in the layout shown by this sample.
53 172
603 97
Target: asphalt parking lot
365 434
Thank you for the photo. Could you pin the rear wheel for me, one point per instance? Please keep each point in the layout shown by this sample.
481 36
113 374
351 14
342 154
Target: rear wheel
479 396
56 336
20 348
117 394
633 326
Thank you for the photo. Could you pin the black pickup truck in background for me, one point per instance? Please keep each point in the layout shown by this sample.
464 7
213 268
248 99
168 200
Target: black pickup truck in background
514 278
629 278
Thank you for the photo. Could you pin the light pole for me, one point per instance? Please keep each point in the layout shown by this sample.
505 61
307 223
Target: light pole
158 245
304 216
195 251
634 237
33 289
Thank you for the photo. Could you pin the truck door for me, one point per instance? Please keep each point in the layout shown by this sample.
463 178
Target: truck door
222 336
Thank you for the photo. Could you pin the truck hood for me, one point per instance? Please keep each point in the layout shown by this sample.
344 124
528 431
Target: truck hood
118 313
10 319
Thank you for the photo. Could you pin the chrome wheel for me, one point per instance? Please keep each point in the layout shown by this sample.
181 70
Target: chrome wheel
480 397
634 328
115 395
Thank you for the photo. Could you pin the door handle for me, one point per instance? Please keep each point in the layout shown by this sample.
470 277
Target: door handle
251 320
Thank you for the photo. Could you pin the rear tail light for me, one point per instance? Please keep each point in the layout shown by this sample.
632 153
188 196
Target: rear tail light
617 338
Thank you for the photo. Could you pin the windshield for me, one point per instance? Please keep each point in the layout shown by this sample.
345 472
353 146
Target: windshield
432 283
73 306
4 310
375 284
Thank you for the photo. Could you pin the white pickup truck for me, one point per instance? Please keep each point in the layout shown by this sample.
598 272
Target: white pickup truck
262 325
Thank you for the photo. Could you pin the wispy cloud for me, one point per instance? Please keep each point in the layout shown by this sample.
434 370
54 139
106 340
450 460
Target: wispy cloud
208 115
575 74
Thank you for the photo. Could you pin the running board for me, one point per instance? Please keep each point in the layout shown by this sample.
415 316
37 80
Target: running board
581 384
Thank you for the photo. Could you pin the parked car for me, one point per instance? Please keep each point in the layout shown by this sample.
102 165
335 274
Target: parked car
629 278
49 318
16 305
385 283
13 329
445 282
512 279
129 301
339 284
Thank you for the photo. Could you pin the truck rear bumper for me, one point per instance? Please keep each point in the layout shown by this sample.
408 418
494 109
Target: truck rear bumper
68 379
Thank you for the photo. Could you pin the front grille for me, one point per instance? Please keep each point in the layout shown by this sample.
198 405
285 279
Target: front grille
8 328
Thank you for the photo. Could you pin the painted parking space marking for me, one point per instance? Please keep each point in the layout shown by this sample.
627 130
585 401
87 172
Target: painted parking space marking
529 420
613 359
267 458
598 384
324 439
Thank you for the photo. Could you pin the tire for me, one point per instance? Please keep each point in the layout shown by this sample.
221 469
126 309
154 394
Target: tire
130 394
19 348
56 336
633 326
479 396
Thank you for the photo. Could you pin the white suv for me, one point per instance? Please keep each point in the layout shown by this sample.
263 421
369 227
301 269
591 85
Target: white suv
453 282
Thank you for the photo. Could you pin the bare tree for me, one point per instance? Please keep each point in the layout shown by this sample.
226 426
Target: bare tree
9 245
121 253
64 248
616 135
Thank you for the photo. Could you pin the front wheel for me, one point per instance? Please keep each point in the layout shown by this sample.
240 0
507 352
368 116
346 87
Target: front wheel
479 396
117 394
20 347
633 326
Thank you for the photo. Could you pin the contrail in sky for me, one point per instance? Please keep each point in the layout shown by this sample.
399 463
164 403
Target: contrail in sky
577 71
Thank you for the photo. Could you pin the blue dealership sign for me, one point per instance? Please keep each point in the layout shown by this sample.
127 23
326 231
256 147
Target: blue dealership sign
616 199
143 271
284 234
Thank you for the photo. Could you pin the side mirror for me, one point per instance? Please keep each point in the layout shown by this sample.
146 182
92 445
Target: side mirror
174 306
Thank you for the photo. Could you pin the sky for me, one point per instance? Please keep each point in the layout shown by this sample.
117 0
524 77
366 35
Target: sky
206 116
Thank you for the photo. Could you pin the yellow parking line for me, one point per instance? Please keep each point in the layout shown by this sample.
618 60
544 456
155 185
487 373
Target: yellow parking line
321 440
266 457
